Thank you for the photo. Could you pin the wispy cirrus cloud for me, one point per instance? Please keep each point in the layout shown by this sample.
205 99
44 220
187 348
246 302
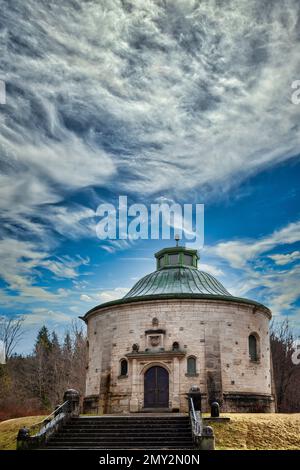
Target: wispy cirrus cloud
105 295
248 269
41 315
144 97
147 97
283 259
240 252
153 91
150 94
20 268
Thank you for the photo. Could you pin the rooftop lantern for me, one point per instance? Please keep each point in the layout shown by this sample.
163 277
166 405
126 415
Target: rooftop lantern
177 256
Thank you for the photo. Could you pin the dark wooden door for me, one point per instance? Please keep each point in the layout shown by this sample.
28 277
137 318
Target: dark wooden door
156 388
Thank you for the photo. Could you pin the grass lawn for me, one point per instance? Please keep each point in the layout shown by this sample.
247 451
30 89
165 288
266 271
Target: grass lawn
9 430
243 432
255 431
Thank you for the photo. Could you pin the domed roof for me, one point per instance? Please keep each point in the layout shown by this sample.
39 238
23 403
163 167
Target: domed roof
177 277
177 273
177 280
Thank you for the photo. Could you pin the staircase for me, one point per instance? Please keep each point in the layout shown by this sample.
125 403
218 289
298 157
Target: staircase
124 432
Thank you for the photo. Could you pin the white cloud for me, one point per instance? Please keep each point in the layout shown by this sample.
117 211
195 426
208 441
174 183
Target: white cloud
111 246
105 295
20 266
250 275
143 97
75 309
41 316
146 97
73 221
211 269
239 253
80 285
85 298
64 267
178 94
113 294
283 259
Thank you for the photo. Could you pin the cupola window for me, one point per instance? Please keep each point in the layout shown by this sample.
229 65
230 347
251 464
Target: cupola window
173 259
188 260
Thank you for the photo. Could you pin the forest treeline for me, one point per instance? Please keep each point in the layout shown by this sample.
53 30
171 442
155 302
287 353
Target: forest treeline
35 384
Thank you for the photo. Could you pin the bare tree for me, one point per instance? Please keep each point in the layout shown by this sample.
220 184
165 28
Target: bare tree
35 383
285 372
10 333
79 356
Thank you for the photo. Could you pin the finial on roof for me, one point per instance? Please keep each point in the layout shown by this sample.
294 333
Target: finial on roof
177 238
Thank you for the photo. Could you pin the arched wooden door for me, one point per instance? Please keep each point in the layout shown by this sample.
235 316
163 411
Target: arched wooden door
156 388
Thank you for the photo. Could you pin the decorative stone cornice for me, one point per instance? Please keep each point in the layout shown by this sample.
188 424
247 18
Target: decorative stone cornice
155 355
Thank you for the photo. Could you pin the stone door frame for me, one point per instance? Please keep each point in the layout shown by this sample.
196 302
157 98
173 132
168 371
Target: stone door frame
162 379
140 363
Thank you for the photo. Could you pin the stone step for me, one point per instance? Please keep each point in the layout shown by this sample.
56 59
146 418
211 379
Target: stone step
91 432
133 418
121 445
162 435
123 428
129 421
109 447
124 432
99 425
105 440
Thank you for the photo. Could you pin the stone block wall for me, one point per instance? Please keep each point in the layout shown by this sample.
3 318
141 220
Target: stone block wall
214 331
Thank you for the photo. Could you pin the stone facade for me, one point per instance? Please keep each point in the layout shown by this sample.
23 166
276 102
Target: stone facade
214 331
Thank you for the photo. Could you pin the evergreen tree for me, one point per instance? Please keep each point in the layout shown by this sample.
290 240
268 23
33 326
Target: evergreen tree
68 357
55 346
43 340
55 364
43 366
67 343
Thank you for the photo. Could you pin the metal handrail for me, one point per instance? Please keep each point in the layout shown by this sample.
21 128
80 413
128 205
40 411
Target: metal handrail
196 421
40 427
38 434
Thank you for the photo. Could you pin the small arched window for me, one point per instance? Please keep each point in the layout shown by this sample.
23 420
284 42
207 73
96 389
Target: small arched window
123 367
253 347
191 365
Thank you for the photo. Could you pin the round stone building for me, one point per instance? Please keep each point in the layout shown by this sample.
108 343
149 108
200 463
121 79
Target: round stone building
176 328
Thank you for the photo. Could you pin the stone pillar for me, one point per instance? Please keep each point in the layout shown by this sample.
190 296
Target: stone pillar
207 439
213 363
134 400
175 404
23 439
73 398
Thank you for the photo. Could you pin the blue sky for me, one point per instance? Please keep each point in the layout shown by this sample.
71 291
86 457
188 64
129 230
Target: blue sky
181 100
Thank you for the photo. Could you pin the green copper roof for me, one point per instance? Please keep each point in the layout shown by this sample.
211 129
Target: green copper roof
177 273
177 277
177 280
